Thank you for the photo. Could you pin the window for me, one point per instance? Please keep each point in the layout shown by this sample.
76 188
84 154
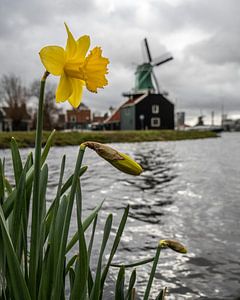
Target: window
155 122
73 119
155 109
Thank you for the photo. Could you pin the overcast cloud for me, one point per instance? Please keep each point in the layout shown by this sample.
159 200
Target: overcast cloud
202 35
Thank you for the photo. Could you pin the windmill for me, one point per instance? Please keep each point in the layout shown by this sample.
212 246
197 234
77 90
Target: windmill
144 75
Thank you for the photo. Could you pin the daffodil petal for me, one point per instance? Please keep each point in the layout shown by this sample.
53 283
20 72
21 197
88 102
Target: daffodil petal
76 96
71 47
53 59
83 44
64 89
94 69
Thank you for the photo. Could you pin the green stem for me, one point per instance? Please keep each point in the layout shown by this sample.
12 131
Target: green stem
35 227
154 266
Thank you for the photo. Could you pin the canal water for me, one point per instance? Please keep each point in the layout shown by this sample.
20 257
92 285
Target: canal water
189 191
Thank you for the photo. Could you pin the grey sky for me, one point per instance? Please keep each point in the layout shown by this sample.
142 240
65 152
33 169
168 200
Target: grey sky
202 35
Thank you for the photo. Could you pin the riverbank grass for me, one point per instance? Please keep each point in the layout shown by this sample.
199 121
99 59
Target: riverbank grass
71 138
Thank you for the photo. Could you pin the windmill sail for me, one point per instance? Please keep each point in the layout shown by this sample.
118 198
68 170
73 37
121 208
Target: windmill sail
144 75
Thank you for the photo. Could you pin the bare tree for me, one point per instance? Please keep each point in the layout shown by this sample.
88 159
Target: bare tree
50 110
12 91
13 97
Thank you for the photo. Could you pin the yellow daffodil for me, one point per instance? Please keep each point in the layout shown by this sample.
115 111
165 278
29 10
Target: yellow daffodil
74 68
121 161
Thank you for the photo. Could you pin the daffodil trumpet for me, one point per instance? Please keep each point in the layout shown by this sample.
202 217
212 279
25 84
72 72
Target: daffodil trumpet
121 161
75 69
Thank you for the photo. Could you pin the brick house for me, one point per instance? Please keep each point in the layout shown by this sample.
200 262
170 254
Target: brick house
79 118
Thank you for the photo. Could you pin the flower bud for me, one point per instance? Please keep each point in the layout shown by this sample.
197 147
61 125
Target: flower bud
174 245
119 160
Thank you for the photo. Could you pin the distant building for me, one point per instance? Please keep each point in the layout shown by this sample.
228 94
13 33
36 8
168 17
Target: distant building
15 118
98 122
79 118
61 122
113 121
230 124
180 119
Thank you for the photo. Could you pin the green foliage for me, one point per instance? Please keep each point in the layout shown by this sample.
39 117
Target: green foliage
45 266
26 139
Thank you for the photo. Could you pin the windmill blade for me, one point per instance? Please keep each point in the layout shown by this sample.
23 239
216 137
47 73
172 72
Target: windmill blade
147 50
156 82
162 61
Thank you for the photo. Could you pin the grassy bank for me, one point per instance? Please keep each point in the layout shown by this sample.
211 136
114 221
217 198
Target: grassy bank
26 139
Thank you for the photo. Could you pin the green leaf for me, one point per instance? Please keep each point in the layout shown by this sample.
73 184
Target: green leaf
153 270
19 204
114 247
41 216
119 289
79 290
131 285
134 264
64 188
90 279
59 261
8 204
47 147
16 159
18 285
95 294
71 278
50 260
86 223
70 263
2 185
7 185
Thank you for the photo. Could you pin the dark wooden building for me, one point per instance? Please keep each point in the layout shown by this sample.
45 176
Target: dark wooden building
147 111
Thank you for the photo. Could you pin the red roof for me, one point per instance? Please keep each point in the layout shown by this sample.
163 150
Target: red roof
115 117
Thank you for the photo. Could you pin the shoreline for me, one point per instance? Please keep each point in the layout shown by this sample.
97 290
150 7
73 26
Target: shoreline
71 138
